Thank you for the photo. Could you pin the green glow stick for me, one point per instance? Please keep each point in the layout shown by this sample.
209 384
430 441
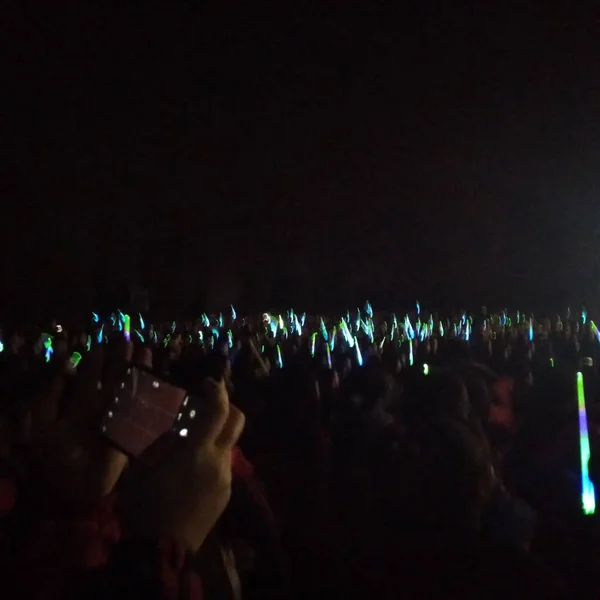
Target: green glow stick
588 496
75 359
127 327
425 369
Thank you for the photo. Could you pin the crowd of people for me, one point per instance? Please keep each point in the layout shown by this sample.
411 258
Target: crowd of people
370 455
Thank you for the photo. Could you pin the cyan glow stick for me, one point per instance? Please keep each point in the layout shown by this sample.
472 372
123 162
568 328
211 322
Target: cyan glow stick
205 321
441 329
101 334
233 313
418 308
332 342
127 327
142 324
215 333
140 335
583 316
201 336
303 319
411 358
369 309
298 326
324 331
408 328
358 353
95 317
1 346
530 330
588 496
220 319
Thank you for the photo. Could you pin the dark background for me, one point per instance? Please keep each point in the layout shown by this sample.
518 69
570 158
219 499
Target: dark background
314 156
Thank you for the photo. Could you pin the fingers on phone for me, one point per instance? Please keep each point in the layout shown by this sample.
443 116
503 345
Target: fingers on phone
232 430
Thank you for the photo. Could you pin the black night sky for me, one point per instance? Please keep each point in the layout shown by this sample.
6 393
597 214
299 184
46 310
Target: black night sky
312 157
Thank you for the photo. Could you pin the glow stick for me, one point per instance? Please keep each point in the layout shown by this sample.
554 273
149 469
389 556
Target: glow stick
418 307
313 342
595 330
88 344
298 326
552 362
215 332
280 322
328 355
408 328
205 321
220 319
588 496
358 354
173 326
441 329
47 339
166 340
201 336
142 324
127 327
95 317
324 331
230 338
100 334
1 346
382 343
518 317
140 335
530 330
333 336
279 358
583 316
233 313
425 369
346 333
467 331
75 359
303 319
411 358
369 309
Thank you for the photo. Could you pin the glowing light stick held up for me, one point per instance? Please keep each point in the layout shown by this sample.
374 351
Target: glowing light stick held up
205 321
418 307
47 339
324 330
88 343
583 316
425 369
142 324
411 358
279 358
1 346
588 496
358 353
101 334
230 338
127 327
530 330
312 344
369 309
233 313
140 336
328 355
95 317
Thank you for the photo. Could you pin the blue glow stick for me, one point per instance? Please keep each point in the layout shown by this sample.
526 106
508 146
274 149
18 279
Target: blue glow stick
584 316
95 317
233 313
588 495
101 334
47 339
369 309
142 324
358 353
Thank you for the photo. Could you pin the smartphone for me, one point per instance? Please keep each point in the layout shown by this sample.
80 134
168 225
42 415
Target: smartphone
144 407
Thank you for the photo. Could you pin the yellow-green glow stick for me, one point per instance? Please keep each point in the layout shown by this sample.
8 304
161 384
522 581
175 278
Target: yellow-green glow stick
588 496
127 327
